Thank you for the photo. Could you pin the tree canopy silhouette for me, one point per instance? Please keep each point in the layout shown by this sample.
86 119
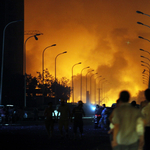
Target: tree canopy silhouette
35 86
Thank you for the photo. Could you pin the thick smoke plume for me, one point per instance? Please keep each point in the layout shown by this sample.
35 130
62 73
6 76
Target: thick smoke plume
100 34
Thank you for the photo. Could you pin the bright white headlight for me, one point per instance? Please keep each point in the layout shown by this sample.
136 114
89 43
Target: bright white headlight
93 108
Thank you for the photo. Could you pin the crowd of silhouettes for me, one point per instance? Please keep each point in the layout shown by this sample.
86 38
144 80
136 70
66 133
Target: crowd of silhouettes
63 116
129 123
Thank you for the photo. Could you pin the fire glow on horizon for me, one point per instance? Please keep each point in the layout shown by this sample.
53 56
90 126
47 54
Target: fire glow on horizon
100 34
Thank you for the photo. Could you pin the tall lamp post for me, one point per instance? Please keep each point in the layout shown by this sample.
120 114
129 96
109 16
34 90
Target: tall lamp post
145 58
43 60
143 24
147 64
2 63
72 82
142 13
103 89
55 72
143 72
95 87
145 39
43 65
145 51
91 86
86 85
148 69
81 82
146 75
35 36
100 88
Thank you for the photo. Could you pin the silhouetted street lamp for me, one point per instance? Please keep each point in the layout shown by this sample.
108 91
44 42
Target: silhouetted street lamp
148 41
72 81
148 71
2 63
146 58
145 51
81 82
43 65
100 88
144 72
86 84
142 13
91 86
103 89
146 63
95 87
144 38
143 24
55 72
145 78
43 60
35 36
144 66
145 75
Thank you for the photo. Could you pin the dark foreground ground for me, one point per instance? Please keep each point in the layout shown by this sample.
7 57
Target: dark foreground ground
29 135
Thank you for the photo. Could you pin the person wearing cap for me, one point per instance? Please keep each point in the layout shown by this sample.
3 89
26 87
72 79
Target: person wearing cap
64 117
78 112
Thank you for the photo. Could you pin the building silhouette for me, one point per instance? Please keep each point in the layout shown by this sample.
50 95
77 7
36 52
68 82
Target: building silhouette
13 79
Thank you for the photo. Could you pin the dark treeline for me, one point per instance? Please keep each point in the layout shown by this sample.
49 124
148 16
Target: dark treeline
36 89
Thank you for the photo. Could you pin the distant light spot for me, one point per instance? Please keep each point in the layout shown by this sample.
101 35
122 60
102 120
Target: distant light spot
128 42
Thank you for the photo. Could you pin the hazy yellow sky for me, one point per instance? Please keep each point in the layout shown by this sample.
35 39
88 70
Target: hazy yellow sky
100 34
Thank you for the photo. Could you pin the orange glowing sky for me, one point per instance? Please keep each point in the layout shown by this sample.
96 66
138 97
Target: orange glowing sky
100 34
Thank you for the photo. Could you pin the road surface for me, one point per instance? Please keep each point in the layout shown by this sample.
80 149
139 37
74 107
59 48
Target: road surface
29 135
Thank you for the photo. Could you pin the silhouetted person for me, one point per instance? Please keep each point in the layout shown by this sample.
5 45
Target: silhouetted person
104 105
111 126
64 112
133 103
125 117
64 117
111 115
146 113
78 112
103 119
21 113
49 122
96 109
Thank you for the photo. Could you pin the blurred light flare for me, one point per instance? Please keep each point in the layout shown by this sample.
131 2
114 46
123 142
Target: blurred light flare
93 108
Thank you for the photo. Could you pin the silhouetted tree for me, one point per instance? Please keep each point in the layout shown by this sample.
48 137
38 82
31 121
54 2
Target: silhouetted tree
48 81
63 90
66 91
31 85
